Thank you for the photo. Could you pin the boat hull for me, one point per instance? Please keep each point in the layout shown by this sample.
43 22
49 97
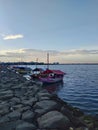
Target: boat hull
50 80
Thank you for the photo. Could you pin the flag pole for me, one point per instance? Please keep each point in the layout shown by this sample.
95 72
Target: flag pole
47 60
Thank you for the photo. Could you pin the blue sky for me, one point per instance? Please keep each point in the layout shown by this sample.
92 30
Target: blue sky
58 26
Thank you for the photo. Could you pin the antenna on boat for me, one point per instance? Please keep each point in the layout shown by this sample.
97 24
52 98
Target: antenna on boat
47 60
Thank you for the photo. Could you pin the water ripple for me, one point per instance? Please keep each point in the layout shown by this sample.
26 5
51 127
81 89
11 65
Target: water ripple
81 87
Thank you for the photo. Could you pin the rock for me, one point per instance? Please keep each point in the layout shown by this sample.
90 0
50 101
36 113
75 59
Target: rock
52 120
29 102
82 128
35 89
74 120
4 108
4 119
45 106
4 111
77 112
25 126
96 121
5 95
18 107
67 112
28 116
18 93
14 115
23 109
43 98
10 125
43 93
71 128
15 100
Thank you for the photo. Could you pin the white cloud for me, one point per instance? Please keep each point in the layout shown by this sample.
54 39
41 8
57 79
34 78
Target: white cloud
71 56
11 37
2 35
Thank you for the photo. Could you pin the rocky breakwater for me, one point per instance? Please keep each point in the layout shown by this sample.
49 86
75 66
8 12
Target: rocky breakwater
25 105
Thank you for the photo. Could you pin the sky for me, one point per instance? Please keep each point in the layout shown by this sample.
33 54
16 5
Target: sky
67 29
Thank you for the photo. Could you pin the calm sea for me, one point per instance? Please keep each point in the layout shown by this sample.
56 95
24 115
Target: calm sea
80 87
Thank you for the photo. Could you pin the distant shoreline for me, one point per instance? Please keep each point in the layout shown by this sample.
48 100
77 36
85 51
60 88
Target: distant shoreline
29 63
40 63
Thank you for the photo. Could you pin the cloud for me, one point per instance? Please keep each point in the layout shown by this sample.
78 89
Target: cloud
80 52
2 35
12 37
67 56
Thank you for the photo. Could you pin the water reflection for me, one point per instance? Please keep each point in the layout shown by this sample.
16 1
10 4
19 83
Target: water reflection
53 88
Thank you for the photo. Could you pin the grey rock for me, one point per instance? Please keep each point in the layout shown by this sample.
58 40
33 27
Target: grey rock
5 95
74 120
29 102
4 119
43 98
25 126
14 115
10 125
15 100
18 93
53 119
4 111
17 107
35 89
4 108
28 116
45 106
42 95
23 109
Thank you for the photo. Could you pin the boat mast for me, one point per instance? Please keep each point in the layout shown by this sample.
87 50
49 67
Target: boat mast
47 60
36 62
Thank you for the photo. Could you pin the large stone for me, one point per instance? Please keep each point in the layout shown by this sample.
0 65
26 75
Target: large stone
23 109
5 95
17 107
4 108
35 89
28 116
25 126
74 120
10 125
4 119
43 95
14 115
52 120
4 111
43 98
15 100
29 102
45 106
18 93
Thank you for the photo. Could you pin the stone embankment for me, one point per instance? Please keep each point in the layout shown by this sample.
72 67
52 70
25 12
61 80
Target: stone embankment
25 105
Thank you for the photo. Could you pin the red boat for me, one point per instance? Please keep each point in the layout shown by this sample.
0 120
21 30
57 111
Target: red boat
51 76
48 76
